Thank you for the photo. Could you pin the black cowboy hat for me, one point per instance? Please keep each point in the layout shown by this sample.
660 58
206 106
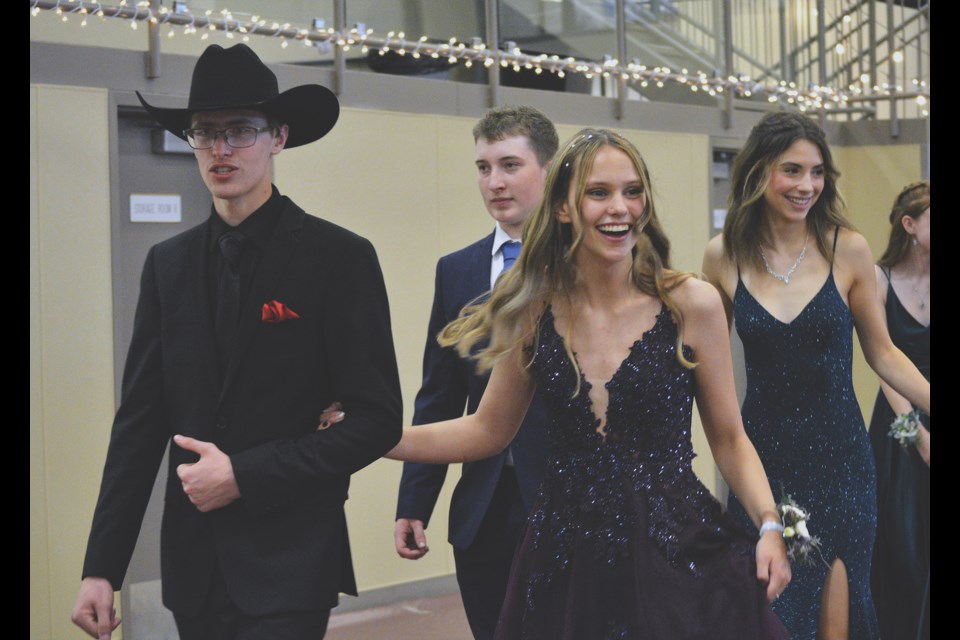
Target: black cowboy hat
236 78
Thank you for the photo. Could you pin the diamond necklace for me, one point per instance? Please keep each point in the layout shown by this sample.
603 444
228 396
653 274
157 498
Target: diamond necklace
921 296
785 278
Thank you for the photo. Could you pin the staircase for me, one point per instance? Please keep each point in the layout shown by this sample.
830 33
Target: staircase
774 41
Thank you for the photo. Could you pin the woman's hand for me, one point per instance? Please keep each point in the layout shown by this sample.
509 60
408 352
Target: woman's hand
773 566
330 416
923 445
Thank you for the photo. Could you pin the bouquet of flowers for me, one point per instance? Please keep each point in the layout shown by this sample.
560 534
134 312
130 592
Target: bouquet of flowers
906 429
800 544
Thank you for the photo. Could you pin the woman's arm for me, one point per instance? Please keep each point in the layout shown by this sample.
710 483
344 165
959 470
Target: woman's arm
716 270
735 455
901 405
482 434
717 402
897 402
855 264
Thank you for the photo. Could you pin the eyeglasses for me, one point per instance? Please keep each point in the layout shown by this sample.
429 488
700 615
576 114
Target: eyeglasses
236 137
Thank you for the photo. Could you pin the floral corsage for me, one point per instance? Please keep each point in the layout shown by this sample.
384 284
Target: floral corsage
906 429
800 544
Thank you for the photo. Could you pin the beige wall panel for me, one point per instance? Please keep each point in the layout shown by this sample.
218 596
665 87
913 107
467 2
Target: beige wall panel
679 166
39 557
72 284
872 177
461 218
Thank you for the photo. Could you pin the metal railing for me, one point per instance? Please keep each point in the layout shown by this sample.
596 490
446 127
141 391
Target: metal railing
800 52
856 46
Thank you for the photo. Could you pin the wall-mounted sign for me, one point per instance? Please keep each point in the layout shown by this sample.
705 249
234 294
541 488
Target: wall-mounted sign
719 216
154 207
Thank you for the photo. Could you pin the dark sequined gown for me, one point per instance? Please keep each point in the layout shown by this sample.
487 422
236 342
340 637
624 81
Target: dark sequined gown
802 416
901 558
624 541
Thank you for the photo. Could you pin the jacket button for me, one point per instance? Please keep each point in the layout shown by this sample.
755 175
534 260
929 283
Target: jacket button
221 422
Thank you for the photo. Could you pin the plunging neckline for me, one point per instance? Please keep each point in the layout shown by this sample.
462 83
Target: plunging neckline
823 287
586 386
891 290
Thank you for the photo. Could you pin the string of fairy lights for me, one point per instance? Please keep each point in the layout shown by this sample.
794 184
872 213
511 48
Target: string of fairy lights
180 19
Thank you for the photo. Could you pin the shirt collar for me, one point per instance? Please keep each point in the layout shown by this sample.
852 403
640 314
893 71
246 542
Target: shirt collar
500 237
258 226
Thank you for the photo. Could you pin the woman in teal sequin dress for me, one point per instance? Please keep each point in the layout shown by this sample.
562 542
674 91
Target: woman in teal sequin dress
624 542
796 279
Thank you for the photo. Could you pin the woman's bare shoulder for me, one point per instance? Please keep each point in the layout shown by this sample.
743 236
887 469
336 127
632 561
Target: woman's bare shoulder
850 242
714 253
853 255
695 297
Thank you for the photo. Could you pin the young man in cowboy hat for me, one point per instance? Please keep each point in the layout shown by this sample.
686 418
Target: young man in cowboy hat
247 327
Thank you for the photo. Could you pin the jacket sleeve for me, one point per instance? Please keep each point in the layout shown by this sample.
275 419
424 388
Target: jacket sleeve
137 442
442 396
359 353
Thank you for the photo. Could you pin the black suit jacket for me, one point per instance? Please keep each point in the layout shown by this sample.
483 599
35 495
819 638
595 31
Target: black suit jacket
450 384
283 545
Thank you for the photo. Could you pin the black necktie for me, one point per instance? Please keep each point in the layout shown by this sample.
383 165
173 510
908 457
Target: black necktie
228 292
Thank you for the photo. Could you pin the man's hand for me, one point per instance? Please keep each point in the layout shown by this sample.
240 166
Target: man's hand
94 612
209 482
410 539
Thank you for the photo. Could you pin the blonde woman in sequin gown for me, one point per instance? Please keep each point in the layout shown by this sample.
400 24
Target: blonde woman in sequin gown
797 280
624 541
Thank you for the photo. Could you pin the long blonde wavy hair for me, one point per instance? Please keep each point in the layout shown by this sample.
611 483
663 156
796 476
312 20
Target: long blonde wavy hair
545 272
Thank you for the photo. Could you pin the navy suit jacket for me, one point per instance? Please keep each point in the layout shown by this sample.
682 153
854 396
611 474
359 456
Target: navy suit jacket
450 384
283 544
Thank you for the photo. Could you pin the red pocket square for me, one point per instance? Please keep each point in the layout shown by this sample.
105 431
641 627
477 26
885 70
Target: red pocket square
274 311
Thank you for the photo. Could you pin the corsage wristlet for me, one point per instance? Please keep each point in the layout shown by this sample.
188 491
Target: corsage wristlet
906 428
770 525
800 544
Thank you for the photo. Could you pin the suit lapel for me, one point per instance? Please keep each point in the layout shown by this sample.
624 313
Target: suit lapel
274 261
477 268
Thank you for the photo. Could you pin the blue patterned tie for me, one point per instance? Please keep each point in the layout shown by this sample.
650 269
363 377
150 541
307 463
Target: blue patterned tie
510 252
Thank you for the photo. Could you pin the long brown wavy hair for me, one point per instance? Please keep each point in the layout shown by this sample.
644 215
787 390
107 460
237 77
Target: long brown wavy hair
745 223
912 201
545 272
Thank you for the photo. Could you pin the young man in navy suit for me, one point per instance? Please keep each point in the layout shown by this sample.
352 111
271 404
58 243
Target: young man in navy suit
514 146
236 350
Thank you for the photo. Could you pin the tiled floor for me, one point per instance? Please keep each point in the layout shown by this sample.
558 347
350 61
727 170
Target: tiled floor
437 618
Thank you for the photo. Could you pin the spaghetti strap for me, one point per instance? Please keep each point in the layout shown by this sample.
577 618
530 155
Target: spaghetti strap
886 272
833 256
